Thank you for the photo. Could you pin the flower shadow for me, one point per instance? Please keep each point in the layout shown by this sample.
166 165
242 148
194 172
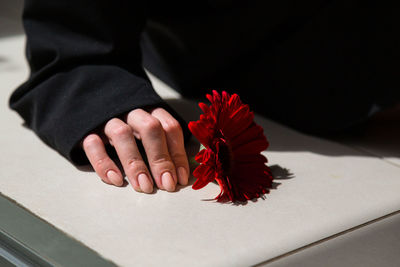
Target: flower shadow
281 173
278 172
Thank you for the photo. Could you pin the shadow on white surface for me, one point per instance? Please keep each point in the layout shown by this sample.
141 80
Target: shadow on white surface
281 138
10 18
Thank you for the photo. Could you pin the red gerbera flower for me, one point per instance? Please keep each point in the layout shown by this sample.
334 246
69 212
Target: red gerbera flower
233 144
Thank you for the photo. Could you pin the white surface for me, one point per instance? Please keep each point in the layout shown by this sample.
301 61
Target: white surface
334 188
372 245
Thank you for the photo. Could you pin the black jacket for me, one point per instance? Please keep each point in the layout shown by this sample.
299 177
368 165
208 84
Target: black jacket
309 64
86 68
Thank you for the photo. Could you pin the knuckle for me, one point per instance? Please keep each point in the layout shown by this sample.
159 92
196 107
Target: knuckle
152 124
100 164
130 115
91 140
110 124
172 126
113 121
179 156
161 159
121 130
136 165
134 112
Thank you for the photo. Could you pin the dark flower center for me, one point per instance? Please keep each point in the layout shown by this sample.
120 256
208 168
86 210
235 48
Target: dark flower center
224 155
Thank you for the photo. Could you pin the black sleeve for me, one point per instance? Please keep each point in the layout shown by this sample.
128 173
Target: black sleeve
85 63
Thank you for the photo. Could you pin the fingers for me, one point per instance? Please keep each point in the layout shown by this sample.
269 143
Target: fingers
162 139
121 136
175 143
149 129
101 162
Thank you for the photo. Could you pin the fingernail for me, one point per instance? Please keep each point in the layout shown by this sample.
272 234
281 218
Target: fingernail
114 178
183 176
168 182
145 183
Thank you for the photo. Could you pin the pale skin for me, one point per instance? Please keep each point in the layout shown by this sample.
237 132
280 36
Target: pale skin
162 139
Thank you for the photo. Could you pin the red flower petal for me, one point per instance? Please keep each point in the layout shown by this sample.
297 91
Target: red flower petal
205 174
233 144
202 131
204 107
254 146
237 122
199 156
253 132
241 159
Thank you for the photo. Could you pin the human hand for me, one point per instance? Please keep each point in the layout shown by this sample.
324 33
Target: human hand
162 139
